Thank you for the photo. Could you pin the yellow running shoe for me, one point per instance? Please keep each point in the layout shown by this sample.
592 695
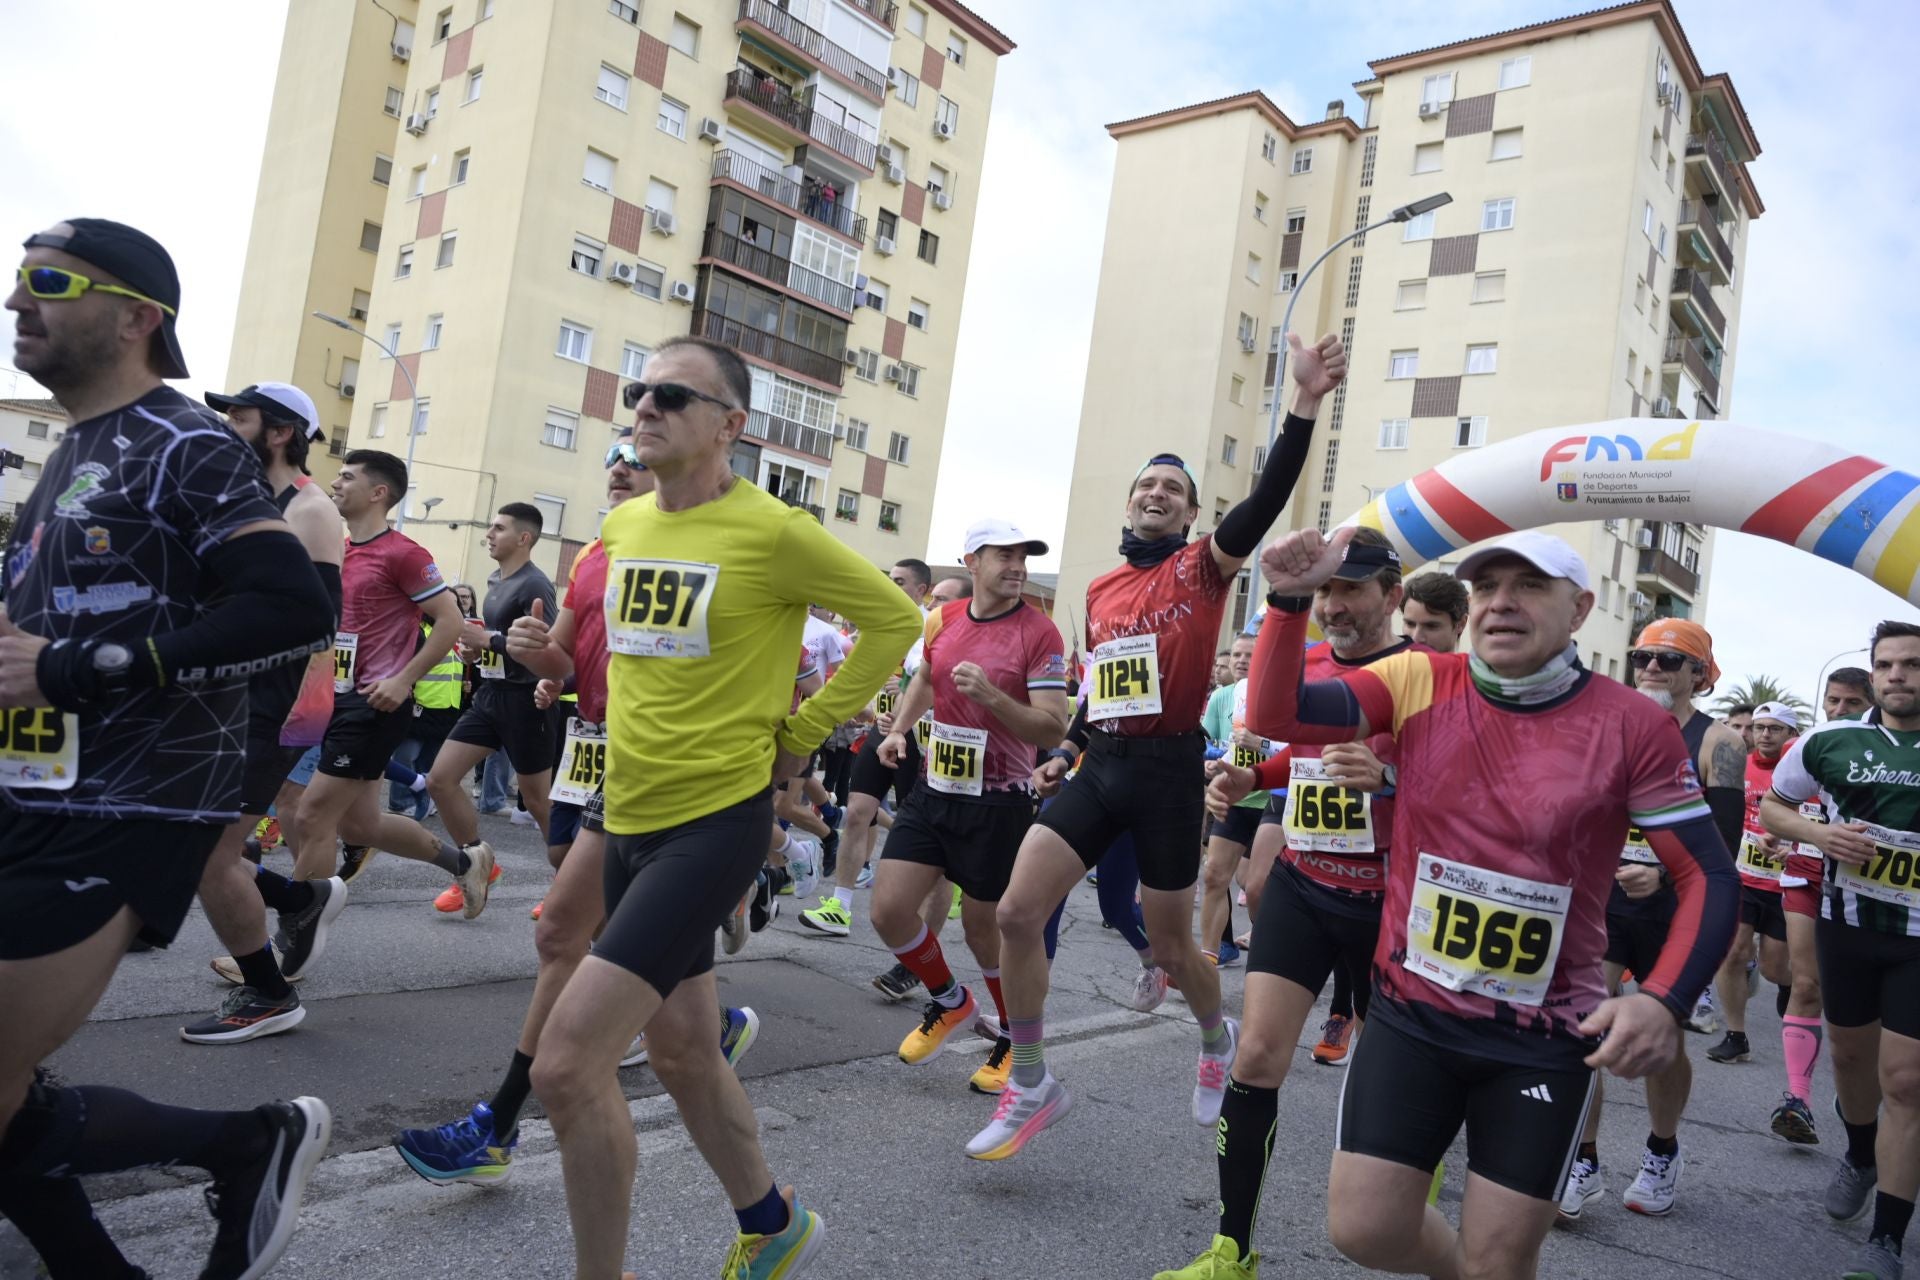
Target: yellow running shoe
1221 1262
939 1022
953 912
992 1075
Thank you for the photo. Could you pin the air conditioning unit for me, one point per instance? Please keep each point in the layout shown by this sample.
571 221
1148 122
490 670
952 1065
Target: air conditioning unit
883 244
621 272
1645 538
663 223
884 155
850 357
1428 110
401 52
942 200
1665 93
416 124
1639 600
839 430
1246 342
346 390
1662 407
941 129
895 174
894 373
709 130
681 291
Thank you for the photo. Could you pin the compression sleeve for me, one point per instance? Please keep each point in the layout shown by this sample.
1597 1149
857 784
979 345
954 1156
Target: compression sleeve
1729 805
1250 519
1078 731
1273 773
1708 889
336 594
1280 702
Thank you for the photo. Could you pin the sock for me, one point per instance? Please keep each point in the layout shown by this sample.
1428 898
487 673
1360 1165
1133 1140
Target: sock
1589 1151
767 1218
1891 1215
1029 1051
1213 1032
1860 1140
452 859
288 897
1342 1006
96 1129
925 961
846 892
512 1096
419 783
258 970
786 844
1800 1040
992 978
1146 958
1248 1118
1780 995
57 1220
1662 1146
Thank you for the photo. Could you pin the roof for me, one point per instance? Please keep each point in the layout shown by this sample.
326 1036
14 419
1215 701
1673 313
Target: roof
1253 99
976 26
48 408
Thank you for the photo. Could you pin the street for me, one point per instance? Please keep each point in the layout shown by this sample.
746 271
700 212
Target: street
412 1017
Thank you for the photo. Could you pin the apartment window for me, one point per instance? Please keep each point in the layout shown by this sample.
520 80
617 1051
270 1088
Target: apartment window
929 250
1690 559
649 281
1483 358
938 179
1517 72
1506 145
433 103
393 338
1497 215
1639 295
1253 267
586 256
917 313
38 430
906 85
916 21
370 236
576 342
1656 146
890 517
846 506
474 79
1331 463
486 9
1259 207
1426 157
1646 219
443 25
560 428
1394 432
422 410
947 113
1296 221
599 170
357 310
377 422
877 295
395 100
383 169
684 36
612 88
1670 539
1490 286
403 264
1412 295
899 447
1303 160
661 197
1269 148
886 225
1437 90
909 384
447 244
1230 449
1236 389
857 434
633 361
417 182
1660 241
1418 227
623 11
1670 173
436 325
1288 281
956 49
460 161
866 367
1403 364
672 118
1248 330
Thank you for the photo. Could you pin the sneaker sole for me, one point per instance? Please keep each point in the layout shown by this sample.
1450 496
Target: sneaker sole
471 1177
313 1145
1331 1059
486 887
802 1258
747 1037
934 1052
1731 1058
1579 1208
357 869
1796 1131
252 1031
1029 1131
826 930
1647 1211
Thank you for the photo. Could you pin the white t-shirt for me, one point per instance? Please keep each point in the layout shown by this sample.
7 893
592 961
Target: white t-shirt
824 645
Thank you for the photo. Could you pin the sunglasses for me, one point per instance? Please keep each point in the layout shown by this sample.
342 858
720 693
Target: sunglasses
1642 658
53 284
623 451
668 397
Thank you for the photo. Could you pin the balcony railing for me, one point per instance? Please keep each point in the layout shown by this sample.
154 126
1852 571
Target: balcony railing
1708 147
771 347
799 197
772 267
884 12
1696 287
788 434
818 513
831 58
798 114
1691 356
1706 219
1656 563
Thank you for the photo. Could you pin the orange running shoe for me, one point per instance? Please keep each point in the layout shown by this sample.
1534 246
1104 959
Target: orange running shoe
455 899
1334 1034
535 913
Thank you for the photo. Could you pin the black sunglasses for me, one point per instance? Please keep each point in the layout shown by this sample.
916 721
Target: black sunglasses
668 397
1642 658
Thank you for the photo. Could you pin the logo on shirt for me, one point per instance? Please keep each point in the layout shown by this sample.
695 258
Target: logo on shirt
107 597
1687 778
432 573
23 554
99 541
1056 665
88 481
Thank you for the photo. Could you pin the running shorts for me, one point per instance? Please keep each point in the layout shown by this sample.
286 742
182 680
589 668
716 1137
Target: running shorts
871 778
62 879
503 717
1763 909
1301 935
1868 976
972 840
360 740
1152 788
1238 826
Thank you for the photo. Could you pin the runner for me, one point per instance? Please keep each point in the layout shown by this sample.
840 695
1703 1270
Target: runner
1229 838
1849 694
1762 860
1673 666
1869 936
1152 623
708 581
1434 612
1740 720
145 578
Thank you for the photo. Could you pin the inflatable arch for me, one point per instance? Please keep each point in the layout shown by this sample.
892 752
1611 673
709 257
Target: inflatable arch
1850 509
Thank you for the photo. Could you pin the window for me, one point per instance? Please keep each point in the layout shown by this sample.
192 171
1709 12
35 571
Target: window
877 295
1670 537
1303 160
1516 73
560 428
907 85
1259 207
433 103
1670 171
899 448
447 243
377 422
846 506
672 118
576 342
1418 227
917 313
422 410
866 367
623 11
370 236
1426 157
1497 215
1490 286
890 517
395 100
474 77
1646 220
599 170
938 179
1248 330
649 281
361 301
1506 145
417 182
1269 148
857 434
1690 559
1229 449
403 264
37 430
1236 389
383 169
661 197
1437 90
486 9
1393 433
909 380
1404 364
436 325
886 225
929 250
586 256
956 49
1253 267
443 25
1412 295
685 36
1483 358
612 88
947 113
1287 282
633 361
553 514
1633 361
1660 241
393 338
1296 221
1639 294
917 21
460 159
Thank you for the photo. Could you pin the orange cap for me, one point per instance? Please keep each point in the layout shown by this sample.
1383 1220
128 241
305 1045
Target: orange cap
1687 637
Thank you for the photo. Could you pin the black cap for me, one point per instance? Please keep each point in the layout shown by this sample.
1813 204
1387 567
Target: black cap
139 261
1364 560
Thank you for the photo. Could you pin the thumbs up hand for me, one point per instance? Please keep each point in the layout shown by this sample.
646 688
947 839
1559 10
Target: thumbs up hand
529 635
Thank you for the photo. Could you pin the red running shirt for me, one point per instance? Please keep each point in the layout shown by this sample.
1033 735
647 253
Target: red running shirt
971 751
1759 869
586 595
1154 633
383 582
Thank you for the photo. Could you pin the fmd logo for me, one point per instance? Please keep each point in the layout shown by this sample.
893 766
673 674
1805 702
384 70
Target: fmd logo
1620 448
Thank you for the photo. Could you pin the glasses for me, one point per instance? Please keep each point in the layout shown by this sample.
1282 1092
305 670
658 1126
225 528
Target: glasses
623 451
53 284
1669 662
668 397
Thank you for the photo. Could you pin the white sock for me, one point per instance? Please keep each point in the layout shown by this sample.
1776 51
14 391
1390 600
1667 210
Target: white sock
846 894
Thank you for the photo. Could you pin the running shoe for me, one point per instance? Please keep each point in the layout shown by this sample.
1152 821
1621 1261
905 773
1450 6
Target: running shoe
1705 1019
865 879
1732 1048
831 917
896 983
1585 1181
1021 1114
467 1150
1222 1261
1878 1259
953 912
781 1256
803 864
1093 878
1334 1034
454 897
936 1024
538 907
258 1207
306 932
245 1015
1227 956
1852 1187
736 928
267 833
354 859
1210 1078
1793 1121
739 1028
521 818
831 814
1651 1191
830 854
229 969
1149 989
1240 898
636 1053
993 1073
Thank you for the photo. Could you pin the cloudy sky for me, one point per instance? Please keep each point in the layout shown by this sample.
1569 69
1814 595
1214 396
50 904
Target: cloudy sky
170 132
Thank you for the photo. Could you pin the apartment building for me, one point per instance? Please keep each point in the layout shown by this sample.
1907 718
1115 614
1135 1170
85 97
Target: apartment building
522 198
29 429
1587 268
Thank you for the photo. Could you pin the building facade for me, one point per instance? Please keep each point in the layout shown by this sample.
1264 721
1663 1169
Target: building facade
30 429
523 199
1588 268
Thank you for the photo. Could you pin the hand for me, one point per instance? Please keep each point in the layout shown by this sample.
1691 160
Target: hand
1048 777
529 635
786 765
1637 880
1351 764
19 665
1297 564
1249 740
1641 1036
892 747
546 693
892 685
1316 371
1231 783
971 680
388 694
474 636
884 722
1843 842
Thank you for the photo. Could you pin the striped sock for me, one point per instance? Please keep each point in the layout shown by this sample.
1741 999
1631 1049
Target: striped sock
1213 1032
1029 1052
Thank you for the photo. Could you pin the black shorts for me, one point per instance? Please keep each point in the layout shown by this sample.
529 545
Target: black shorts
871 778
1151 787
1275 814
1765 911
974 841
563 823
1303 932
62 879
503 717
1404 1100
1238 826
1634 941
1868 976
359 740
669 890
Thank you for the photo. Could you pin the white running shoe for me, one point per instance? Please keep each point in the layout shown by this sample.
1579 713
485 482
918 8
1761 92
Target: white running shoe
636 1052
865 879
803 864
1018 1115
1706 1015
1651 1192
1585 1181
1210 1078
478 880
1149 989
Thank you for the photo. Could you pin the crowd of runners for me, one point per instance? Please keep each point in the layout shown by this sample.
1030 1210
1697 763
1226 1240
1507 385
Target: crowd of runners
1518 875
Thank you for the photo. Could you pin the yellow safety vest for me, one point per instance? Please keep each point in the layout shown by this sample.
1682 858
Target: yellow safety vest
439 689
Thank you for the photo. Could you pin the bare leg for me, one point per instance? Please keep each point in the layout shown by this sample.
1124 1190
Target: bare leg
1216 879
1730 983
233 905
575 907
1046 869
444 782
1168 914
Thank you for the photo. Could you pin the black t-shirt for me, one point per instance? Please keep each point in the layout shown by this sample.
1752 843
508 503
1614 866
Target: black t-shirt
509 598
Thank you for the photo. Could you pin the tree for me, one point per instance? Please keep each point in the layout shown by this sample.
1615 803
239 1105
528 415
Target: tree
1759 689
6 527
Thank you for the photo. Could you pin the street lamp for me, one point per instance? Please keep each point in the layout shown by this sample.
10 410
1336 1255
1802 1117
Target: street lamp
400 521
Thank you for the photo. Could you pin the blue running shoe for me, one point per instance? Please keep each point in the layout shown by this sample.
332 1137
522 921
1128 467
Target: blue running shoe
781 1256
831 814
738 1033
1229 955
464 1151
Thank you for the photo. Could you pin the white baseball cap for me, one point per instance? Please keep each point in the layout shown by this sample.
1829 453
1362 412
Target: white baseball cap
1550 555
1001 533
277 402
1779 712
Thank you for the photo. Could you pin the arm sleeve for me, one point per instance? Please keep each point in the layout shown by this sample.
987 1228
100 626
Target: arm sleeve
1079 733
210 485
1729 805
1273 773
271 609
1250 519
1708 888
1282 704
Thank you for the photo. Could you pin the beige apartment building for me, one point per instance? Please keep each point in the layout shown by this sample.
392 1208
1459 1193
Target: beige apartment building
524 198
29 429
1588 268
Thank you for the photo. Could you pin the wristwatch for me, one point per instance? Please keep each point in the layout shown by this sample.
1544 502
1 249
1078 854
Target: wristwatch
112 670
1391 776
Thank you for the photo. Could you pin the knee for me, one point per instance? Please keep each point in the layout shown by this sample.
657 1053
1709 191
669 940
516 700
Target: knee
559 1076
1357 1231
983 939
1900 1084
1216 873
680 1063
1806 988
1021 920
892 920
1261 1060
1848 1051
562 934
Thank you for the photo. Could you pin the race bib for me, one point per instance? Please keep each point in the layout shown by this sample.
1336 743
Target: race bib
583 762
954 756
1125 679
1892 874
1755 861
923 730
1324 816
884 703
1478 931
346 660
658 608
1638 850
1248 757
39 748
490 665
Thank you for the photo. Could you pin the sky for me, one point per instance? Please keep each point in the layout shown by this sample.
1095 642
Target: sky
177 153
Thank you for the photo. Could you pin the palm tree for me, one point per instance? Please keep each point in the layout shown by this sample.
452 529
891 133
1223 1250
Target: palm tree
1759 689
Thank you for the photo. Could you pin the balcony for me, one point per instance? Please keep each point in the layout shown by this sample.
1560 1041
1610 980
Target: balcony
795 116
819 52
818 513
771 267
796 436
802 199
884 12
1692 293
1708 149
1700 224
1663 568
1690 355
770 347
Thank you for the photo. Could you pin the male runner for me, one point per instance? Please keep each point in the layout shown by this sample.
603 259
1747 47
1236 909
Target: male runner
1229 838
707 582
994 675
1152 624
1849 694
146 577
1519 775
1434 612
1762 861
1869 936
1673 665
1740 720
